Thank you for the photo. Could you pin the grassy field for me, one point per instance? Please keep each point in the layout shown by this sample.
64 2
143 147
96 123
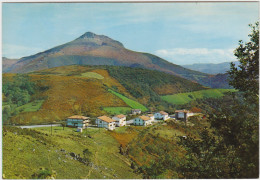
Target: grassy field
92 75
133 104
31 107
117 110
183 98
25 151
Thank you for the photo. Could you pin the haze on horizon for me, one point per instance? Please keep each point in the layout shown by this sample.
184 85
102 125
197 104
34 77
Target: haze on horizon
182 33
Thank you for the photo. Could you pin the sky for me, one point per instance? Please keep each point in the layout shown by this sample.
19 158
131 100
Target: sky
182 33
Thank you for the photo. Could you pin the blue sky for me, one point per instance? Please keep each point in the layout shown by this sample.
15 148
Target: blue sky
182 33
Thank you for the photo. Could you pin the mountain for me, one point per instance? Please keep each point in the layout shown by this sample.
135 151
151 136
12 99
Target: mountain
93 90
7 63
92 49
211 68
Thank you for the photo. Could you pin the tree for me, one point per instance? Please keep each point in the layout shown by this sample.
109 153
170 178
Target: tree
235 151
245 77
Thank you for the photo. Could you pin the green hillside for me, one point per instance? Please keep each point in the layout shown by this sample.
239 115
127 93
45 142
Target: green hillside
59 92
118 110
133 104
147 85
183 98
35 153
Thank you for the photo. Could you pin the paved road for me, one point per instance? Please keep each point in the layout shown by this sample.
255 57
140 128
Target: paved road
35 126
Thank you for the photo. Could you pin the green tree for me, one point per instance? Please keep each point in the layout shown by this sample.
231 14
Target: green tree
245 77
231 148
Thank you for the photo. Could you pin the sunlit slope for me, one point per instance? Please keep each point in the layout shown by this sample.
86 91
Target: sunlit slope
27 151
183 98
96 90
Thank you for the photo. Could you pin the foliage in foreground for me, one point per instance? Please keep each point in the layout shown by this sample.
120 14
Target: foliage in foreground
232 149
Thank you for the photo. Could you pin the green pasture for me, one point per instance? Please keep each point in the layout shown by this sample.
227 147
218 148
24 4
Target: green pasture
184 98
92 75
117 110
133 104
31 107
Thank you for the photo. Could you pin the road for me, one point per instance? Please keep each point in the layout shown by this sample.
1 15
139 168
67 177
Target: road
35 126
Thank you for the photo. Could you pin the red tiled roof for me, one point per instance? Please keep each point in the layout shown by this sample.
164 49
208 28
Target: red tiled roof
78 117
184 111
106 119
120 116
145 118
164 113
150 115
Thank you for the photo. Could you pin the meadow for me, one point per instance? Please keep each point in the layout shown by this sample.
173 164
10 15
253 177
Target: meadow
117 110
184 98
30 107
133 104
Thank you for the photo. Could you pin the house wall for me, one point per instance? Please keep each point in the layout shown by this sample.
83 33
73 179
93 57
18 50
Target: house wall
103 124
158 116
120 122
75 123
138 122
165 117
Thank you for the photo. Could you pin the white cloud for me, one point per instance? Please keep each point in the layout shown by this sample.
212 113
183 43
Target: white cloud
184 56
16 51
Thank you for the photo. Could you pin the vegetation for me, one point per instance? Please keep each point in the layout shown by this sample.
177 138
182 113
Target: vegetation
184 98
31 107
231 150
147 85
133 104
17 92
35 153
117 110
92 75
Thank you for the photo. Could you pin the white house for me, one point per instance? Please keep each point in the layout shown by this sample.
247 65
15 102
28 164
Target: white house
120 120
136 111
183 114
161 115
106 122
142 121
78 121
151 116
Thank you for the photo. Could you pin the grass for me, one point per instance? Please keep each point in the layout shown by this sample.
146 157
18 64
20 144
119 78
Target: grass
25 151
184 98
117 110
31 107
133 104
92 75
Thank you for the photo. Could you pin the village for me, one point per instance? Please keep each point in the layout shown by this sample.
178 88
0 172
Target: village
140 119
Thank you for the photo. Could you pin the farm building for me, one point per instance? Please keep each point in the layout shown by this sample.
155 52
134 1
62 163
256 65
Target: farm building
161 115
106 122
142 121
183 114
78 121
120 120
136 111
151 116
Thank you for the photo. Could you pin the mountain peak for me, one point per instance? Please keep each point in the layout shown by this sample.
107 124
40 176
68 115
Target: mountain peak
98 40
88 35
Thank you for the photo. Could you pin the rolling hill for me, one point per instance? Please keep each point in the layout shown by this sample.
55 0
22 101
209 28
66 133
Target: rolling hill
211 68
7 63
67 90
92 49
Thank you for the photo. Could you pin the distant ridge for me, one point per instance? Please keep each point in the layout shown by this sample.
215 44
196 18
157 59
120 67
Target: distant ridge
211 68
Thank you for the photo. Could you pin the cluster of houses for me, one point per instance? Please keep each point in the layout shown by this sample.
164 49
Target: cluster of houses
81 122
